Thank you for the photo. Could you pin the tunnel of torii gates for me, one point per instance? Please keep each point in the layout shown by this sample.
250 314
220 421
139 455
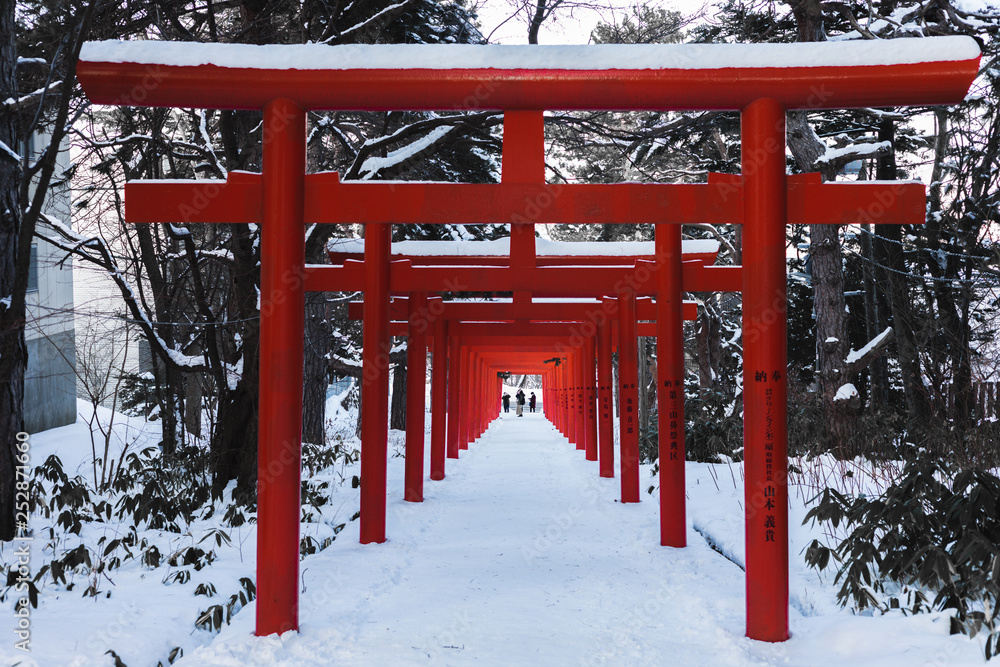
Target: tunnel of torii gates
557 339
760 82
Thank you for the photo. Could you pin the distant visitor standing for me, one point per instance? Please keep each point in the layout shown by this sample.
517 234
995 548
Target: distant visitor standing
506 402
531 402
520 403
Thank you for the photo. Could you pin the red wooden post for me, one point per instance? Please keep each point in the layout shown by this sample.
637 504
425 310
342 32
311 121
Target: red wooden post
523 162
455 398
557 402
628 397
545 394
492 393
765 365
439 398
474 414
498 391
570 375
416 380
580 417
281 358
567 396
375 383
567 378
670 385
590 390
478 393
480 396
464 414
550 396
605 397
557 398
473 393
553 412
485 405
570 362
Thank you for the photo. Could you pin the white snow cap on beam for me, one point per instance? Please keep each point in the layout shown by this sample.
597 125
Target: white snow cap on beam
497 56
543 248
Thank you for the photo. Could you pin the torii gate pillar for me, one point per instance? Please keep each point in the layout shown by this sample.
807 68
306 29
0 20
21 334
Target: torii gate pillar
670 386
765 364
282 320
375 383
456 402
416 378
628 397
439 399
605 425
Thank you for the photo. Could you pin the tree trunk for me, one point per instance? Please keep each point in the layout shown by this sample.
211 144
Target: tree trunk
874 323
315 373
234 443
192 404
643 382
615 380
537 17
358 422
832 344
952 324
13 352
887 251
878 372
708 339
170 383
397 409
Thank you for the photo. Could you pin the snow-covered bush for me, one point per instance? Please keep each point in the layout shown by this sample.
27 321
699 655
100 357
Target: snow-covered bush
930 542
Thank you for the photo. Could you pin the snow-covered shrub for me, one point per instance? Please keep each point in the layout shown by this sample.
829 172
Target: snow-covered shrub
931 541
217 615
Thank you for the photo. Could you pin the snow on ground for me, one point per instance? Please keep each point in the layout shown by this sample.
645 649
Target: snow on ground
522 555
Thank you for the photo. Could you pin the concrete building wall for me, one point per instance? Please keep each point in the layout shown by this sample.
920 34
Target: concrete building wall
50 380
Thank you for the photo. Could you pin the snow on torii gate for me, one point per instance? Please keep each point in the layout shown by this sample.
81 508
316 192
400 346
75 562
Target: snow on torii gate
757 80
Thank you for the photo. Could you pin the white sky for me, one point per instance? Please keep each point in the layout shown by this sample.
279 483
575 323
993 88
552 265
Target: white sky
567 26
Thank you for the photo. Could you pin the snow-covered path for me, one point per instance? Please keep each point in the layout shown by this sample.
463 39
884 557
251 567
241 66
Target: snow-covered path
524 556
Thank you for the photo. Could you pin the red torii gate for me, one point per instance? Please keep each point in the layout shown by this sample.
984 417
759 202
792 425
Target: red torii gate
659 77
558 320
526 317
